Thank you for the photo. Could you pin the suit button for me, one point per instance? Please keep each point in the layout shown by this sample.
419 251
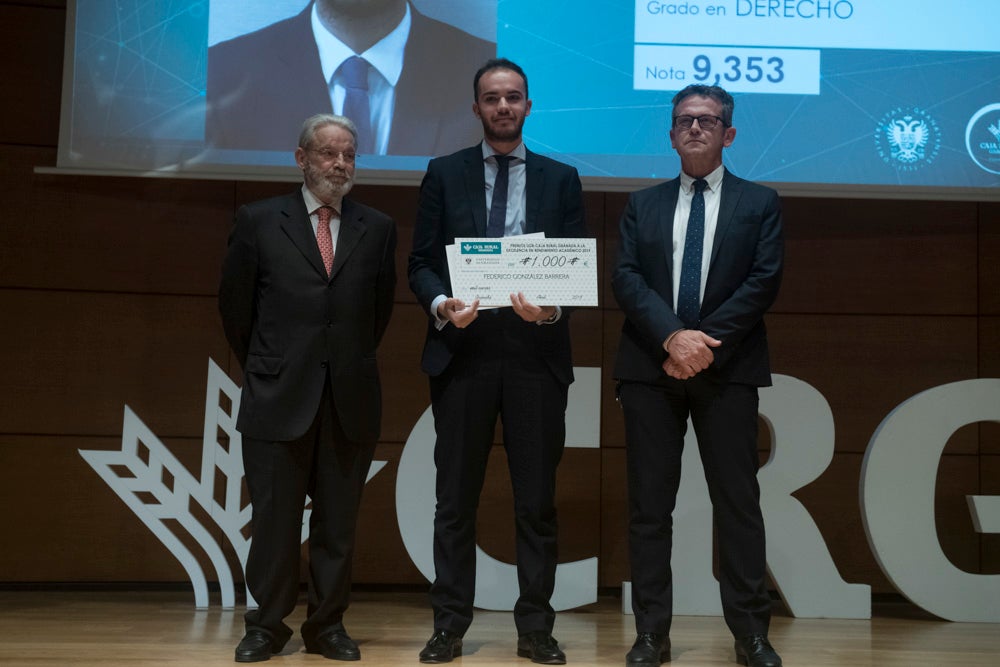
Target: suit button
329 323
325 364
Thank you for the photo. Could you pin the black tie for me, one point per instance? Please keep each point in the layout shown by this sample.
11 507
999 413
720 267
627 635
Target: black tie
688 293
497 222
354 71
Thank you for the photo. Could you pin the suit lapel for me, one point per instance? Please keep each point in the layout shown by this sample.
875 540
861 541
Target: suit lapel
475 187
732 189
298 227
298 60
667 207
352 228
534 185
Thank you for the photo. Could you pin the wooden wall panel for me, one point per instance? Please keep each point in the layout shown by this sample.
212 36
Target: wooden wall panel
380 556
847 359
612 423
165 236
118 547
405 390
578 500
615 205
17 204
867 365
108 291
832 502
879 257
63 523
989 367
989 258
31 58
614 565
73 360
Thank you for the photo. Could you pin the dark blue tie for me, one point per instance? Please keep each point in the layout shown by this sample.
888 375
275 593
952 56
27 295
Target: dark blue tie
497 222
354 71
688 292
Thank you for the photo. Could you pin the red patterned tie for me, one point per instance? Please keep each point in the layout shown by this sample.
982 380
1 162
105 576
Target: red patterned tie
323 237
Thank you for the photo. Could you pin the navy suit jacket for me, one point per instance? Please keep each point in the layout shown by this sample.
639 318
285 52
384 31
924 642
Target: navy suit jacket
291 327
263 85
742 283
453 204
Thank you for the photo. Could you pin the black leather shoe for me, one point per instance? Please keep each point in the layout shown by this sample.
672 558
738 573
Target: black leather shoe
649 649
334 645
256 646
541 647
443 646
756 651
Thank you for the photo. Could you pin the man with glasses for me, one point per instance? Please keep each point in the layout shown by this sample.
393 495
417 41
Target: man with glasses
699 264
306 295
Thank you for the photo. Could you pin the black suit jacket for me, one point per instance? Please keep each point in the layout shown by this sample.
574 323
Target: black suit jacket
453 204
743 280
261 86
291 327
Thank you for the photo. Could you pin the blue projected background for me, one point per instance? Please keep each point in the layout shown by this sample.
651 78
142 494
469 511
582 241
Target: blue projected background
842 93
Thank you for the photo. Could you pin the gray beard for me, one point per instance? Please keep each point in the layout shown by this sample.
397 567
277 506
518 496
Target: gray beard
328 190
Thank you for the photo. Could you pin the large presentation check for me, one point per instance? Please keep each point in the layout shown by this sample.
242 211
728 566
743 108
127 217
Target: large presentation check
550 272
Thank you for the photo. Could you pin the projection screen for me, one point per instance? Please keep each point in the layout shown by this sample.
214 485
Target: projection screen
892 97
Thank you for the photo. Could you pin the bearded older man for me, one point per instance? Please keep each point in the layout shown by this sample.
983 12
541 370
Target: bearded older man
306 295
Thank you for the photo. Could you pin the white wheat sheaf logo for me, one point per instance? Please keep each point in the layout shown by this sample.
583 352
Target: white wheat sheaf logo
162 492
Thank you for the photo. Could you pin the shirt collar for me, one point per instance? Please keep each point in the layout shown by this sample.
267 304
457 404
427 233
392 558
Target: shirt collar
520 152
386 55
714 180
313 203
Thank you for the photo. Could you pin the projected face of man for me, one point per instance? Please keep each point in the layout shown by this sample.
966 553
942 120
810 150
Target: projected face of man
700 150
502 105
360 8
327 164
360 23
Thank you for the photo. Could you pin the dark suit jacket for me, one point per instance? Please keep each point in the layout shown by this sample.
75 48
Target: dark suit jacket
263 85
291 327
453 204
743 280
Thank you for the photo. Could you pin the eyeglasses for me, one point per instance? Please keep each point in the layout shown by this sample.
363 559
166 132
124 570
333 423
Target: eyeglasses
328 155
706 123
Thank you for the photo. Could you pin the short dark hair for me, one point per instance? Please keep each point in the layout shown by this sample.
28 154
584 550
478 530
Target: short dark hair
498 63
713 92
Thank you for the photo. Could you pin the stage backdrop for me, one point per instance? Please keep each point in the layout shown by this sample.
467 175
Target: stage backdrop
108 294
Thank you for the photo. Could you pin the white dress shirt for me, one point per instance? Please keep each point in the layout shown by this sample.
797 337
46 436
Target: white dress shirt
516 201
386 60
713 194
312 204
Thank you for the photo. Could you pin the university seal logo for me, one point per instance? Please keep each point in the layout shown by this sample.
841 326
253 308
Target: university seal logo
907 138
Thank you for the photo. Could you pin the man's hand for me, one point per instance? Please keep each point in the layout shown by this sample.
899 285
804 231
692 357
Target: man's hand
675 370
528 311
690 353
457 312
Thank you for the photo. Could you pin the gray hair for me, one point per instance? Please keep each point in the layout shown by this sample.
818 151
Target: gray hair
712 92
313 124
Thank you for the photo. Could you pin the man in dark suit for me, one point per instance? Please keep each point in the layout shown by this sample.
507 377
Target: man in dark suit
262 83
306 294
514 363
699 264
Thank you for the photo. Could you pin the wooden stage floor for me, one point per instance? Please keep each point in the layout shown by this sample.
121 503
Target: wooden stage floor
119 629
